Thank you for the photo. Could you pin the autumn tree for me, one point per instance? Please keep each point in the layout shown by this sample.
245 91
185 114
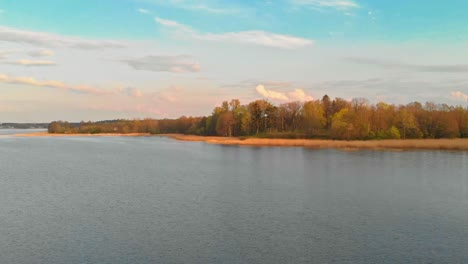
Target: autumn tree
313 117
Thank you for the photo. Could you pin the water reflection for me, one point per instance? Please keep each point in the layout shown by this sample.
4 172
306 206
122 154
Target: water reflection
154 200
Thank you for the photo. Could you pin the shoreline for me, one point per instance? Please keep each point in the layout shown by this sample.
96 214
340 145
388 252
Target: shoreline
45 134
396 145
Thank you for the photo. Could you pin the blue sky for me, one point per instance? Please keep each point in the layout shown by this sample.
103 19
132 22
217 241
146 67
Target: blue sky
99 59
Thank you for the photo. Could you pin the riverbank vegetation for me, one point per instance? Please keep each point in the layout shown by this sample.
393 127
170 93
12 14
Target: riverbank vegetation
319 119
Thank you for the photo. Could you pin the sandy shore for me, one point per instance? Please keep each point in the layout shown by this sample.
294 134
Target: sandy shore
408 144
423 144
45 134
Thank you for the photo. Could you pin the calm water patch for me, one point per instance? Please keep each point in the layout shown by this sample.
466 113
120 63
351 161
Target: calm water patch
155 200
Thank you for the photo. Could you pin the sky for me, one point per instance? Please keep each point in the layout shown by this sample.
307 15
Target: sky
105 59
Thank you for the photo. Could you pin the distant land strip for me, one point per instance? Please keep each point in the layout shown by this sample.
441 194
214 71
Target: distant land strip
325 123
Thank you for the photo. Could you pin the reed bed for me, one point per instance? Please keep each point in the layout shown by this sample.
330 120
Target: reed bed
408 144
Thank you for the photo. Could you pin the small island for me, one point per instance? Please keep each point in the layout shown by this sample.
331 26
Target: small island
324 123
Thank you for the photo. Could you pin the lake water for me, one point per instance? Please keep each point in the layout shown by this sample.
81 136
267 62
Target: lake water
155 200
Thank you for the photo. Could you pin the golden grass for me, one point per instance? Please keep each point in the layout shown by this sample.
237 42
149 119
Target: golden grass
423 144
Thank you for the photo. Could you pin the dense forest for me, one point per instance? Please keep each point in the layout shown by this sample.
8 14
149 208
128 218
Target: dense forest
325 118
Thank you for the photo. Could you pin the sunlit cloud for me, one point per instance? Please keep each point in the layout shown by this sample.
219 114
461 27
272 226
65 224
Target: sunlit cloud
254 37
459 95
175 64
296 95
41 53
271 94
6 53
52 84
299 95
82 89
30 63
44 39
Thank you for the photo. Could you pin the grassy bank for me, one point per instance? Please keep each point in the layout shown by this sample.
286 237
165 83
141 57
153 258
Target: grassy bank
423 144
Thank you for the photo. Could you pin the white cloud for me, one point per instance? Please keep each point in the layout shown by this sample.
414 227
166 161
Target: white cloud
175 64
337 4
459 95
41 53
44 39
32 63
296 95
255 37
143 11
271 94
299 95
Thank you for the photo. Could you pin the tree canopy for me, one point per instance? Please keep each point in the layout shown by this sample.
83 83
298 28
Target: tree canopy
325 118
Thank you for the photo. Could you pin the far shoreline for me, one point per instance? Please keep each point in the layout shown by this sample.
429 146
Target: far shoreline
396 144
45 134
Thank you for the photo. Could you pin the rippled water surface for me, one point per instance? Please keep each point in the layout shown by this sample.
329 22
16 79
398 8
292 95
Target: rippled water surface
154 200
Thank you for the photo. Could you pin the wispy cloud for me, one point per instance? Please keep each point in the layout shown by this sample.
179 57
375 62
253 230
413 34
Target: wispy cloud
44 39
143 11
171 23
138 108
82 89
254 37
52 84
388 64
175 64
337 4
2 11
459 95
197 5
171 94
261 38
31 63
4 54
296 95
41 53
131 91
249 83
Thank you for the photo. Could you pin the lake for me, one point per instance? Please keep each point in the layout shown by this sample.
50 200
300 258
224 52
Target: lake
156 200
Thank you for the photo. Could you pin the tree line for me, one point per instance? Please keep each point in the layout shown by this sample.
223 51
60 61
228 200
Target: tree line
325 118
